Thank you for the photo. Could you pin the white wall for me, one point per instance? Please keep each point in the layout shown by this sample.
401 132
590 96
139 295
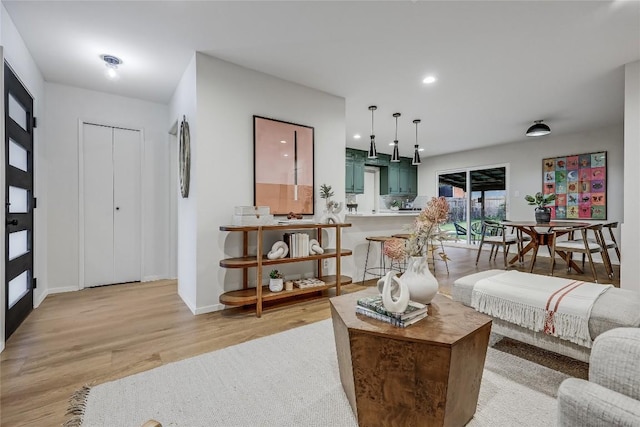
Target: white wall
227 98
630 247
525 166
183 104
65 107
16 54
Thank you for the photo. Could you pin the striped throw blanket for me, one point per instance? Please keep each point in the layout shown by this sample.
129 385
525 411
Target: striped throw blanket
556 306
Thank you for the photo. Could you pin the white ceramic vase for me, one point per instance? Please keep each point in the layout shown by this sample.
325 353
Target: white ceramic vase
276 285
422 285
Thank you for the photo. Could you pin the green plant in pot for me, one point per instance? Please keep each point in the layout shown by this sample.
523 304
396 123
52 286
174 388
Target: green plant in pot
276 280
543 213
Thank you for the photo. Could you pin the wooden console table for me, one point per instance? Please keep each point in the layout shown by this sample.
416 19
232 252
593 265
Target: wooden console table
427 374
257 294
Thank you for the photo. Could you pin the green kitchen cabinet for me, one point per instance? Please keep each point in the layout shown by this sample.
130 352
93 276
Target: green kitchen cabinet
382 160
354 171
399 178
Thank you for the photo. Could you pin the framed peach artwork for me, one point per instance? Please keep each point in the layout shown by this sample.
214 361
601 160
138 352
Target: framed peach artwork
283 166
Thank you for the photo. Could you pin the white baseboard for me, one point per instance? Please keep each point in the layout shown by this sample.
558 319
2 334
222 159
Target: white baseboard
209 308
152 278
1 346
37 302
61 290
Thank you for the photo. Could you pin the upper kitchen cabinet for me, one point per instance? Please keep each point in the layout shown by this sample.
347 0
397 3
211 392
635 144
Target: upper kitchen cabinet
382 160
354 173
399 178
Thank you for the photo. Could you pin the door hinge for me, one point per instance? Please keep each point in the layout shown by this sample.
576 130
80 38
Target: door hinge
35 202
35 283
35 123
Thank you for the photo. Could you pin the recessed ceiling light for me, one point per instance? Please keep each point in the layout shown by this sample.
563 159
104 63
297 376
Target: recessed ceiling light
391 144
283 142
286 155
429 79
356 136
420 149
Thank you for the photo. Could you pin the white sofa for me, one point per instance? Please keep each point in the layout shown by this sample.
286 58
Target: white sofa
611 397
613 309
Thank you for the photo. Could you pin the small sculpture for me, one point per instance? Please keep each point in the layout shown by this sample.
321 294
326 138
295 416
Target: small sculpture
395 296
315 248
278 250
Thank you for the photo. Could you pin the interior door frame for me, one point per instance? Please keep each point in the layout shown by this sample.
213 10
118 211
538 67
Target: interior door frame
81 219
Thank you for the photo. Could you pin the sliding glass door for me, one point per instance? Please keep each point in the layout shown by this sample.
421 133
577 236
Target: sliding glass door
474 194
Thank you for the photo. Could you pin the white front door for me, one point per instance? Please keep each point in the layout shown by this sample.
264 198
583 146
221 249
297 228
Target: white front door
112 208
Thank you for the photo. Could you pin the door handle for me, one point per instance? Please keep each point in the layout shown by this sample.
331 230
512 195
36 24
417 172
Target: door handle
12 222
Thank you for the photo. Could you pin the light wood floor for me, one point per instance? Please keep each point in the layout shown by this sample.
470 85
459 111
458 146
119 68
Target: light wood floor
101 334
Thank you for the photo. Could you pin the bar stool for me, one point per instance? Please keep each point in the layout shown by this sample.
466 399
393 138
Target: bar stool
381 269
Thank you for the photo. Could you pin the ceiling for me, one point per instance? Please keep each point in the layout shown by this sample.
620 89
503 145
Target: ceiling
500 65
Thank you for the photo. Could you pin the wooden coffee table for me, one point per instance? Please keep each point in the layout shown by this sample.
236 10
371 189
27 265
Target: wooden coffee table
427 374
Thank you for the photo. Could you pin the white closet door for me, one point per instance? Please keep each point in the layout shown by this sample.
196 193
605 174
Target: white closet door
98 204
112 200
126 224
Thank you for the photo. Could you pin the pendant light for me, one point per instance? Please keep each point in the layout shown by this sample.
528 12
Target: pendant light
396 154
416 156
538 129
373 153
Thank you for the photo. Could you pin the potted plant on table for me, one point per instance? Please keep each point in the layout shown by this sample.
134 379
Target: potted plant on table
276 280
543 213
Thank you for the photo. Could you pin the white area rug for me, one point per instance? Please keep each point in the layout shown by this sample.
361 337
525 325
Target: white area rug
291 379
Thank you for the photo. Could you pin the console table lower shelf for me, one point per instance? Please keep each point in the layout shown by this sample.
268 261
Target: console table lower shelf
248 296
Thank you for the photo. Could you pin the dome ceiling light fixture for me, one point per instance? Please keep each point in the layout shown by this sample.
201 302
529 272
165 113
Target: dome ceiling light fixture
538 129
416 156
396 155
373 153
111 63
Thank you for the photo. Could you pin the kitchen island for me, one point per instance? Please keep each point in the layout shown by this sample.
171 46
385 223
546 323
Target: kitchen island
384 223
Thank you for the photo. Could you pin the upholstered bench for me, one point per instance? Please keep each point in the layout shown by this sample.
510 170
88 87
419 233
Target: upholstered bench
614 308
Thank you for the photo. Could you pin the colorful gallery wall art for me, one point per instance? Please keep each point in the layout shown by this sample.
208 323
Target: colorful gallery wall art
580 184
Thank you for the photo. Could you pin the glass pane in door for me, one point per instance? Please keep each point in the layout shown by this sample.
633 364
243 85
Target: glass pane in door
17 112
19 200
488 198
18 287
18 244
453 186
17 156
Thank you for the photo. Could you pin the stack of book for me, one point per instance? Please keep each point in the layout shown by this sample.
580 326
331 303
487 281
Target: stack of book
373 307
308 283
298 244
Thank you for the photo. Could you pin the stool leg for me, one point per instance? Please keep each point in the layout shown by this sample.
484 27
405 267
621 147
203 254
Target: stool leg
366 261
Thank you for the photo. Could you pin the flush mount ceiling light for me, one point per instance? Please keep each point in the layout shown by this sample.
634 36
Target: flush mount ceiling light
356 136
373 153
112 63
416 156
396 154
538 129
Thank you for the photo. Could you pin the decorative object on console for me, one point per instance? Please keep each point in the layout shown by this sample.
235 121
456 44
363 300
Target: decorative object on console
185 157
252 215
332 208
580 184
315 248
279 250
543 213
283 166
276 281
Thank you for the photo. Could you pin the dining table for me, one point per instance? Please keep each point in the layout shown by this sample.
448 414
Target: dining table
542 234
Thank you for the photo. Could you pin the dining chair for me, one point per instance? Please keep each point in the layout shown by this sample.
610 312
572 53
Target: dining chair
606 244
612 243
495 234
520 238
575 244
